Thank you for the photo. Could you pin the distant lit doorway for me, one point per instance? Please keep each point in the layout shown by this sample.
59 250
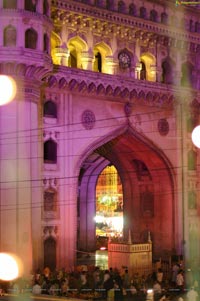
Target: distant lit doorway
109 204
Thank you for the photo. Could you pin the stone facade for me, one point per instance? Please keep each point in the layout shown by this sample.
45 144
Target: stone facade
99 82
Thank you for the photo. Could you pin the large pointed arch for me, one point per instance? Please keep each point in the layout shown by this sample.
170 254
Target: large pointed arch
121 148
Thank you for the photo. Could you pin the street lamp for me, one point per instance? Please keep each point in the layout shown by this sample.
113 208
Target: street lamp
9 267
7 89
196 136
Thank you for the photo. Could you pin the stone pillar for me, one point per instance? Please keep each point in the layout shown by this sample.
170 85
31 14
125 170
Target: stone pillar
177 72
68 188
61 55
111 65
153 71
137 70
20 188
159 75
87 59
177 77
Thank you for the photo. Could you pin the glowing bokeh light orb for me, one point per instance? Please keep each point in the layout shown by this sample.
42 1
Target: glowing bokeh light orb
9 268
196 136
7 89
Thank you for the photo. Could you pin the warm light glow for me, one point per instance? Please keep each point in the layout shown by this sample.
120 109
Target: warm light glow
9 267
103 248
7 89
196 136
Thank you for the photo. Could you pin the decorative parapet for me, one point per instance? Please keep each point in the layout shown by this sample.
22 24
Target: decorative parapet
119 87
132 248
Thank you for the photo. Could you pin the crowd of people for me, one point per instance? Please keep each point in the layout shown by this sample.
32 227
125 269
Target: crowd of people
95 283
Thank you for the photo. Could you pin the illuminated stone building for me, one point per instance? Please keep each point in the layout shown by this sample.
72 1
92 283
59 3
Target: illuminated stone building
100 83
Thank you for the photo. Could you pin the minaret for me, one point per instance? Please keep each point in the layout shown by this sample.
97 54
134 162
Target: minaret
24 55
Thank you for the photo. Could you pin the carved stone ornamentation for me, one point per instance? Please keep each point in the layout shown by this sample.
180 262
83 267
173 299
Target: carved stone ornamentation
88 119
128 109
163 127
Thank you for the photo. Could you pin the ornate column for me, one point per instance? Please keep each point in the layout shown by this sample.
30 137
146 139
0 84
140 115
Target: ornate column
111 65
87 59
159 74
20 188
61 55
177 72
137 70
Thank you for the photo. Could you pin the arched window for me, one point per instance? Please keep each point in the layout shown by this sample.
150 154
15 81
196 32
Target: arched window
50 200
143 12
98 62
153 15
99 3
9 36
31 39
10 4
147 203
192 160
30 5
46 43
50 152
143 73
110 4
192 200
50 253
167 71
187 70
164 18
50 109
73 59
183 23
197 27
141 169
121 7
45 7
132 9
191 26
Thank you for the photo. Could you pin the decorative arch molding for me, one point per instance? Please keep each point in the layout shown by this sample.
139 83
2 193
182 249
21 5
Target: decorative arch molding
119 132
91 148
78 41
21 69
50 135
50 231
56 40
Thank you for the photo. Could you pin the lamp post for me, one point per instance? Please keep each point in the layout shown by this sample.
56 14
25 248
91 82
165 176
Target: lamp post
196 136
7 89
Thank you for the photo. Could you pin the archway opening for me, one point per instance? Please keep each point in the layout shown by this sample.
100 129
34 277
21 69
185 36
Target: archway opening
109 205
146 204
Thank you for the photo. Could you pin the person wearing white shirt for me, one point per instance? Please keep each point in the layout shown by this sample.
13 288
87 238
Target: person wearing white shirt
192 295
